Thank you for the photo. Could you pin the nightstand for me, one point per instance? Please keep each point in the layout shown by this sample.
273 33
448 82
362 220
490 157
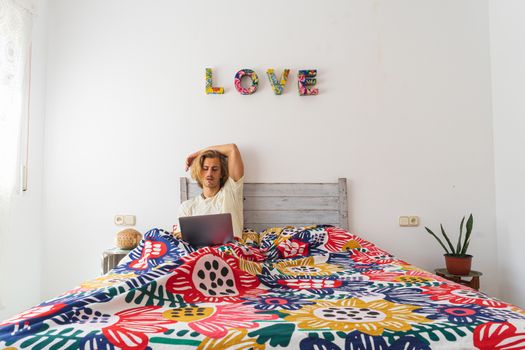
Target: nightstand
461 279
111 258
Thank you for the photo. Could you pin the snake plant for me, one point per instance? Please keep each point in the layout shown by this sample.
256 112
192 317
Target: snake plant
463 242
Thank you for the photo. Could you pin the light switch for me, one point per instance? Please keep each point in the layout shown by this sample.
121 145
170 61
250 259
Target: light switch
129 220
403 221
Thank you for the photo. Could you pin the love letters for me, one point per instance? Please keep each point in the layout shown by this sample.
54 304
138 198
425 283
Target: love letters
306 79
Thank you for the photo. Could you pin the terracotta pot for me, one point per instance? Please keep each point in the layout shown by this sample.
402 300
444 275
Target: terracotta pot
458 265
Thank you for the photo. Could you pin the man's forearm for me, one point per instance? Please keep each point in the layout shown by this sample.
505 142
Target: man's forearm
226 149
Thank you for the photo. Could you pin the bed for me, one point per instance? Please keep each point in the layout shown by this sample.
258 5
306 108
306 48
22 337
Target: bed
302 281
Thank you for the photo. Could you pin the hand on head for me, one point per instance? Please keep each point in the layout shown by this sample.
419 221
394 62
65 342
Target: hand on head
190 159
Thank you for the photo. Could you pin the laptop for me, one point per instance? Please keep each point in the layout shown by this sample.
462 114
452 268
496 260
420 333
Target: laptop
206 230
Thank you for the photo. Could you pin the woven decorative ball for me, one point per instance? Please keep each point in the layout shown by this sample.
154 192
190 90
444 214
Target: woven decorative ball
128 238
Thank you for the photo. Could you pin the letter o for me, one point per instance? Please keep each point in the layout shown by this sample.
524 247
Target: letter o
252 75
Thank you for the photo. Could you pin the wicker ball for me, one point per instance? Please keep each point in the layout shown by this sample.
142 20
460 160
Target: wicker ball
128 238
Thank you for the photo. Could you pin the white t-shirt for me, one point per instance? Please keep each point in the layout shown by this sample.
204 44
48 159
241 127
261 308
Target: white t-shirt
229 199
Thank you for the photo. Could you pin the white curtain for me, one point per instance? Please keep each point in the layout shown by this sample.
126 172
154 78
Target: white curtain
15 36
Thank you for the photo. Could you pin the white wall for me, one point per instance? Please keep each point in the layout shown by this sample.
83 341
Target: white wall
508 74
404 113
21 264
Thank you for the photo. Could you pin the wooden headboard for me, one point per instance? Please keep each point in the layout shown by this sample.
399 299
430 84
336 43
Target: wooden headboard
281 204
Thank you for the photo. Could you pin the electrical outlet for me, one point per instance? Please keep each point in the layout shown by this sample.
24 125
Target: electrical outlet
413 220
119 220
125 220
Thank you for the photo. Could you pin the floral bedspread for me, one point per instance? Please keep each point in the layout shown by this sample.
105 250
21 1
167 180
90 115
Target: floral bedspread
301 288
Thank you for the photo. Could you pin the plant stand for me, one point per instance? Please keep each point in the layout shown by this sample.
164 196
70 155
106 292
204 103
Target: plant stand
461 279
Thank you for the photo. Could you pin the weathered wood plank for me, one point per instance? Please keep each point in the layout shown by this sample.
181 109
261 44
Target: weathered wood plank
291 203
291 189
194 190
281 189
183 189
291 217
343 204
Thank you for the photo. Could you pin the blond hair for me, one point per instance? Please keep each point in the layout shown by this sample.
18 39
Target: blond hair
198 163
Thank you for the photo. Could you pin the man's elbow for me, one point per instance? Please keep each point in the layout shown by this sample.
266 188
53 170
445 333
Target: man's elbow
234 148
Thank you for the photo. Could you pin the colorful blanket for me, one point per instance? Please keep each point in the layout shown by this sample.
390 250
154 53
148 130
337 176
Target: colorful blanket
301 288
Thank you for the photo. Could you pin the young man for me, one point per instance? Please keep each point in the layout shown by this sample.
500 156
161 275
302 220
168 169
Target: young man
219 171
